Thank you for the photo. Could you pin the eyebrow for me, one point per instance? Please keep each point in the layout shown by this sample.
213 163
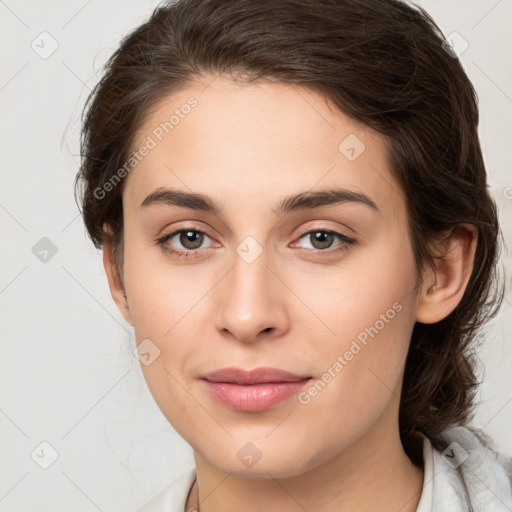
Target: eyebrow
300 201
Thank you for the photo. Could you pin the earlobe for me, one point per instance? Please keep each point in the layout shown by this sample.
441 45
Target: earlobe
114 282
444 286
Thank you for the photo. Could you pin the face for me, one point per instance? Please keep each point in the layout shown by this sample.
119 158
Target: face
292 254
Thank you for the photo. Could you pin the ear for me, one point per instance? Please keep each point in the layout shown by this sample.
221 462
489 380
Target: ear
444 286
114 281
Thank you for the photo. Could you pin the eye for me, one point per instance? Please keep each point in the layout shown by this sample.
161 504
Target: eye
189 238
183 242
322 239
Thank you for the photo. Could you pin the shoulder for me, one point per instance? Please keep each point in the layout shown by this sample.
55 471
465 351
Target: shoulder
469 473
173 497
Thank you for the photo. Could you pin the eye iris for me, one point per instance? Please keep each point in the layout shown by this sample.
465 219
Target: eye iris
193 237
321 239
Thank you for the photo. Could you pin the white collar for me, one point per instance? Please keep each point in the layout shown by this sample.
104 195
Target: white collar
427 491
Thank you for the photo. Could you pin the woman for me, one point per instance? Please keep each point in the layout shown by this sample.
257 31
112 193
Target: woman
291 201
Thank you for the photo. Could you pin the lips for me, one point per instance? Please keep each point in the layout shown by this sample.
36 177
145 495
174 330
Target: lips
253 390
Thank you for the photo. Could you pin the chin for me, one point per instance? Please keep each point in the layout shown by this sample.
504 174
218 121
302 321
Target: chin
246 460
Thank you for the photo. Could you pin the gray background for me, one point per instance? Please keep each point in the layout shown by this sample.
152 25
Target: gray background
67 373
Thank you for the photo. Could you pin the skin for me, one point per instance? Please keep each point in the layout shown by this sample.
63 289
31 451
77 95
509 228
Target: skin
247 146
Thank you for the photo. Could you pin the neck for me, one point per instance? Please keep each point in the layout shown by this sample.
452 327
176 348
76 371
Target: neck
374 473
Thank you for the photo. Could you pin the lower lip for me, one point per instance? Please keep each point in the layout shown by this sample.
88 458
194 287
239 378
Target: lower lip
253 397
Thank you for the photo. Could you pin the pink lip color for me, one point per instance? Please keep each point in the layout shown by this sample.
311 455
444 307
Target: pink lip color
253 391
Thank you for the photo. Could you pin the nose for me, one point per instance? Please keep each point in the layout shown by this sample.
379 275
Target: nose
251 302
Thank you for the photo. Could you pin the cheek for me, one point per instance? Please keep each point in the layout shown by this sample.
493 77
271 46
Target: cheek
168 307
158 295
371 291
371 318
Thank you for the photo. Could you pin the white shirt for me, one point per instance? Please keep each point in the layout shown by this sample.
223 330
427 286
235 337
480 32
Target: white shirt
173 497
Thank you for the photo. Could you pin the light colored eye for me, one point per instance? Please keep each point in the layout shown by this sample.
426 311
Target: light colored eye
320 239
189 239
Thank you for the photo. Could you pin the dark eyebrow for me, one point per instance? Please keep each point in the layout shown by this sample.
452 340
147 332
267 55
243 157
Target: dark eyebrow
172 197
303 200
322 198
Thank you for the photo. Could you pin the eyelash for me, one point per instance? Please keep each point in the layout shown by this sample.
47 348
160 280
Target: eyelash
346 242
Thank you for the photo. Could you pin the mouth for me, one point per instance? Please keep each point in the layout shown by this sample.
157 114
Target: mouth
253 390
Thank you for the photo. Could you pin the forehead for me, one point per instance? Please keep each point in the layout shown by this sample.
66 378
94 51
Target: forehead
249 142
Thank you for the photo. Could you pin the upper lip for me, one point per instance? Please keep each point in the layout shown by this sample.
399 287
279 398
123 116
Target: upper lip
255 376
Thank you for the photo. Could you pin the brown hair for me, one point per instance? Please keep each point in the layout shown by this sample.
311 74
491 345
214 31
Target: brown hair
380 62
